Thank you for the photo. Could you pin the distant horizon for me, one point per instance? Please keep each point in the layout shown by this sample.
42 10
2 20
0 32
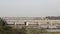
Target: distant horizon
29 16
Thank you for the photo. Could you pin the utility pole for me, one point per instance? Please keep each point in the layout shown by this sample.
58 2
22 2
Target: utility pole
57 13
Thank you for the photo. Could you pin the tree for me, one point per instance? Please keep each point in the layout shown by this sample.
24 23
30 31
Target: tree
3 26
2 22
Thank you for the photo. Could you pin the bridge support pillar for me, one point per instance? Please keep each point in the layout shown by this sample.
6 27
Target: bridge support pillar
26 23
15 24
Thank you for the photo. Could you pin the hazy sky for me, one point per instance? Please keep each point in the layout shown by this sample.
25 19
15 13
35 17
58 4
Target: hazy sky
32 8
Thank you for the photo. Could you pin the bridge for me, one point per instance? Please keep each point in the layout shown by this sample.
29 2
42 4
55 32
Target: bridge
34 22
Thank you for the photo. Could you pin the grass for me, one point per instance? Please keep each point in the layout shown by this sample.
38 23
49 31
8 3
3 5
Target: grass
27 30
